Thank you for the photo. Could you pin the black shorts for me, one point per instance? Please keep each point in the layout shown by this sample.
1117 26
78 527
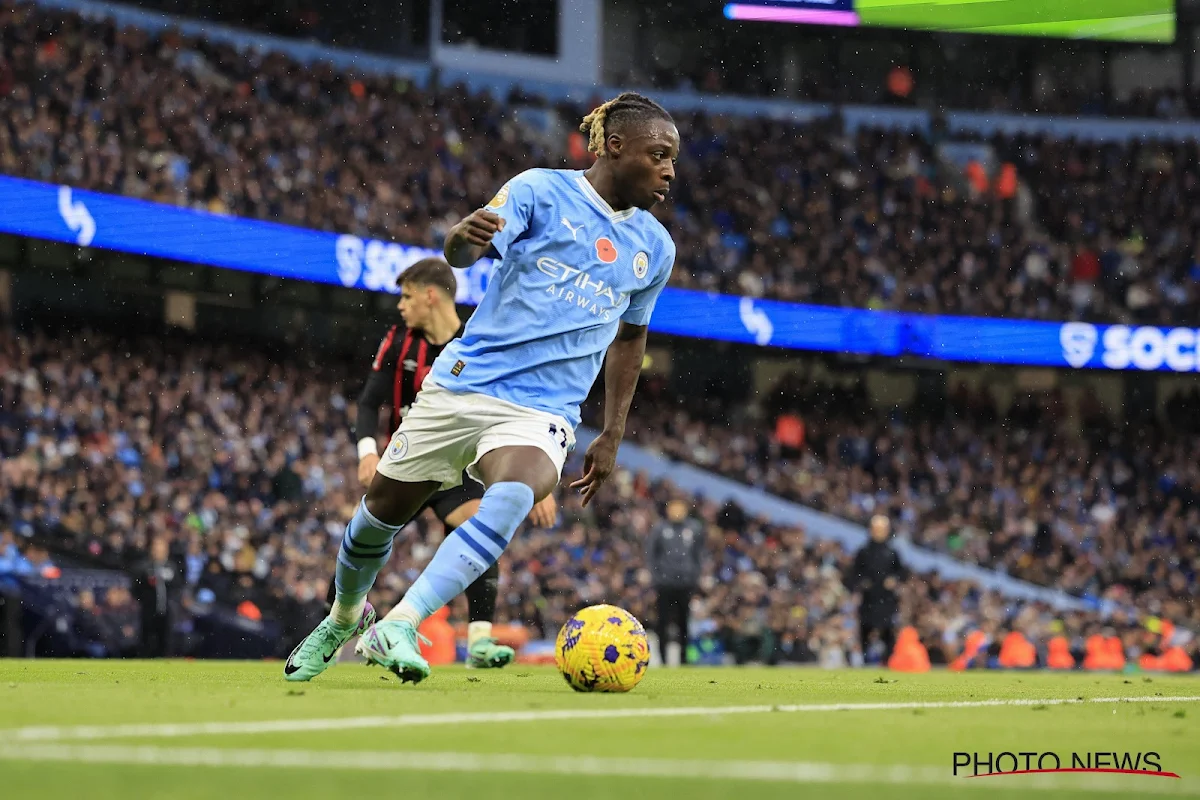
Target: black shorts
444 502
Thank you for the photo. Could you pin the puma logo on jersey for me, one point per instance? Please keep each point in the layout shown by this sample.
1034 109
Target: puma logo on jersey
572 228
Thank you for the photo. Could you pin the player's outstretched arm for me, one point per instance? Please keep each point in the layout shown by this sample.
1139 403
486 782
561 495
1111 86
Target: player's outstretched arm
622 366
469 240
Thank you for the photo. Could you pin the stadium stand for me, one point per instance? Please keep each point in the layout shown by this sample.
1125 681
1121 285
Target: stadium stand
240 460
815 212
1109 515
351 25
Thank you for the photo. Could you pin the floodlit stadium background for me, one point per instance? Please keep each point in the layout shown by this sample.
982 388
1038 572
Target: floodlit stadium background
951 279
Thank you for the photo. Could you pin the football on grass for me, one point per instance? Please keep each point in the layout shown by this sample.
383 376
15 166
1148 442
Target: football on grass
602 649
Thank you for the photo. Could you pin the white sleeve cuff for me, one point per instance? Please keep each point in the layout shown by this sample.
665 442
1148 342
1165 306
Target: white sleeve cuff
367 447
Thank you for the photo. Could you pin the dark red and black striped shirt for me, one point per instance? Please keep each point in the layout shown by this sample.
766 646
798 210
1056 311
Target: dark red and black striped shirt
403 360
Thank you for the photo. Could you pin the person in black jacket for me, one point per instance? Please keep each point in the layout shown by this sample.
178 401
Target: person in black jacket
157 584
675 551
404 358
875 575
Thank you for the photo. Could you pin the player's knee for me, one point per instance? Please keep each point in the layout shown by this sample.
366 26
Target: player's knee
504 506
527 465
379 502
544 487
396 503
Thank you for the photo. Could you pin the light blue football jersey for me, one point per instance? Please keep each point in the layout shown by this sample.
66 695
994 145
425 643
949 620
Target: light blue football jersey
571 270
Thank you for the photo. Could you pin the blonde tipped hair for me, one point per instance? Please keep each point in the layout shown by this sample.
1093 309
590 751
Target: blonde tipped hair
625 108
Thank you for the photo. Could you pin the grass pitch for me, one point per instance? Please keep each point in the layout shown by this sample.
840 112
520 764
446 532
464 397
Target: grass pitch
106 729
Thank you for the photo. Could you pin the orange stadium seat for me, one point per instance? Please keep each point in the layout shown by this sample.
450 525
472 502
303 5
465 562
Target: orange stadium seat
442 648
1016 652
909 655
1058 654
976 640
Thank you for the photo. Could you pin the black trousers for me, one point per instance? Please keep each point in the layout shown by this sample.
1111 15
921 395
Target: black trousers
156 636
673 608
887 635
11 640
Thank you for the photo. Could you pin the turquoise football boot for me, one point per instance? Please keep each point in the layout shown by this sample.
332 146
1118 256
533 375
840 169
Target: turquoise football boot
393 646
319 650
487 653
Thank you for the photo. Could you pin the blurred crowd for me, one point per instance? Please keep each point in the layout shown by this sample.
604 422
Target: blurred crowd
239 463
236 466
300 19
726 69
799 212
99 603
1109 514
999 89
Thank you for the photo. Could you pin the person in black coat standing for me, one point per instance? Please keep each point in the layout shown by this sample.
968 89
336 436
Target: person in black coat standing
157 582
675 551
875 575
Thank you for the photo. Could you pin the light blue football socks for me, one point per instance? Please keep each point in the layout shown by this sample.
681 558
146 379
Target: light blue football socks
467 552
366 547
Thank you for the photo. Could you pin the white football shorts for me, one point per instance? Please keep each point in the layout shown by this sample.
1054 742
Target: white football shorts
445 432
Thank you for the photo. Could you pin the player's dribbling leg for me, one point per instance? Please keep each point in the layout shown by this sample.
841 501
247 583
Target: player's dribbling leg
366 547
461 559
317 652
516 476
483 651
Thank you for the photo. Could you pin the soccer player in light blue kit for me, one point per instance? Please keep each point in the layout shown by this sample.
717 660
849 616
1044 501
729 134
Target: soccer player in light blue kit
582 263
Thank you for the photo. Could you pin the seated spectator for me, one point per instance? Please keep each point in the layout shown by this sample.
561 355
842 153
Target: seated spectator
805 212
12 561
190 423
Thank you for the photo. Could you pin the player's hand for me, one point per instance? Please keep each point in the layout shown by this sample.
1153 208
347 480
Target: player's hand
598 463
889 583
479 227
544 513
366 469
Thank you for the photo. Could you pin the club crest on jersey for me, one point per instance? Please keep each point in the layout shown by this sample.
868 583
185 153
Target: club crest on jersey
641 265
500 199
399 448
606 251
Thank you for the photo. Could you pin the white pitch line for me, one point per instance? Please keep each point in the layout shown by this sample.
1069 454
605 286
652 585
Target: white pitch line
779 771
155 730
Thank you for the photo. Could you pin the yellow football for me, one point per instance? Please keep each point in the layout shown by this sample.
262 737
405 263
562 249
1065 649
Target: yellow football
602 649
